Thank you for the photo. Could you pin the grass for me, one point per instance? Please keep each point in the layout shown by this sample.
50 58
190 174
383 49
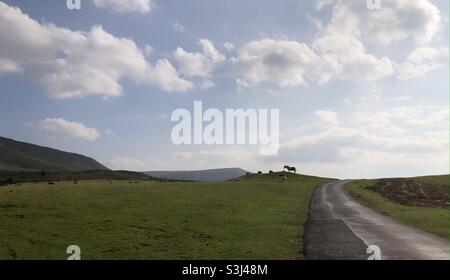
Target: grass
33 176
258 217
438 180
433 220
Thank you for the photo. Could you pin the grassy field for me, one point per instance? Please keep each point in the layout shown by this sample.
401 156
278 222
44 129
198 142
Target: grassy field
431 219
27 176
441 179
258 217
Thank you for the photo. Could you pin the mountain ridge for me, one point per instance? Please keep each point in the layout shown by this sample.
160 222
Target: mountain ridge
22 156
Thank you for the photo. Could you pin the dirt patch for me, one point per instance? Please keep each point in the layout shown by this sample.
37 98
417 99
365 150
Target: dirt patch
413 193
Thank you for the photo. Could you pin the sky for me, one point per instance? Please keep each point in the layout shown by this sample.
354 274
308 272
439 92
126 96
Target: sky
362 92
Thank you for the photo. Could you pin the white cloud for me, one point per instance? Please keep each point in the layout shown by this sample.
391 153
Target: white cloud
59 128
8 66
422 61
400 99
397 20
124 6
127 163
327 117
338 51
71 64
228 46
349 52
414 131
371 99
166 77
287 63
320 4
292 63
199 64
192 64
178 27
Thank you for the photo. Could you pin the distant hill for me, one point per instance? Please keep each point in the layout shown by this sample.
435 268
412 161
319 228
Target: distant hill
200 175
21 156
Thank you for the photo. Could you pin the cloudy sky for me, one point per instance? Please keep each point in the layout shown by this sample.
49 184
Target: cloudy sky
361 92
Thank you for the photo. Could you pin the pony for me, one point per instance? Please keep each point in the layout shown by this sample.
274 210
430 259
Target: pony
289 168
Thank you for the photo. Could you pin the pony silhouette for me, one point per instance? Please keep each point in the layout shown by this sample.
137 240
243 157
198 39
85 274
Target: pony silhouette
290 168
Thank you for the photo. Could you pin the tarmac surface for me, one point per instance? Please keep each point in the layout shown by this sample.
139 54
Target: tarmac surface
340 228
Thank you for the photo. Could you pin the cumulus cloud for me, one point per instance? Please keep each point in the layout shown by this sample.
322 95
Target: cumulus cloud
396 20
59 128
320 4
350 54
124 6
199 64
327 117
8 66
287 63
422 61
166 77
178 27
292 63
71 63
419 130
338 51
228 46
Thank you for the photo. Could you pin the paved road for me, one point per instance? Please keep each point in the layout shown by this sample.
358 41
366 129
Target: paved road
340 228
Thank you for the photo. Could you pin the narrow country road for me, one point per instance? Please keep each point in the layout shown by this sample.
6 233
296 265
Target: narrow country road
340 228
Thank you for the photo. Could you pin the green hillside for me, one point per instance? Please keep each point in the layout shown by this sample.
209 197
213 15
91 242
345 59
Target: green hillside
438 179
256 217
20 156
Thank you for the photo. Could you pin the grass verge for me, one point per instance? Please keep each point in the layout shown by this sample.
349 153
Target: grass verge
257 217
433 220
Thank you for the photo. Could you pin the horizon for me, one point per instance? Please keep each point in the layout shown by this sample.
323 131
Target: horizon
252 171
355 99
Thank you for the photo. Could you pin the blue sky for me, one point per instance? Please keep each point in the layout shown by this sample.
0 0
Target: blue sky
361 93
